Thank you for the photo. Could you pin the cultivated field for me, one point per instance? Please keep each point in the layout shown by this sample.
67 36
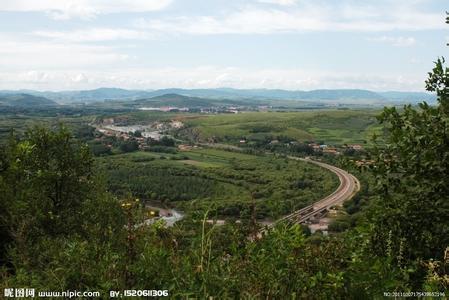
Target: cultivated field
220 181
332 126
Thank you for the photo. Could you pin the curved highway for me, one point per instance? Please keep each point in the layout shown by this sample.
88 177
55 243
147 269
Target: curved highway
349 186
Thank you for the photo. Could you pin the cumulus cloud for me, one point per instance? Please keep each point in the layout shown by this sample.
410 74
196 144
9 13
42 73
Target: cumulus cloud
16 53
66 9
301 18
205 77
256 21
80 78
69 56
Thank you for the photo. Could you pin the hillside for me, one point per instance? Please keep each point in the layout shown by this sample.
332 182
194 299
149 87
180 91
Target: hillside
25 100
407 97
99 95
178 100
174 100
343 96
334 96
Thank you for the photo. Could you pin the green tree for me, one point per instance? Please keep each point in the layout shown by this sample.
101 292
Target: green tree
99 149
49 192
411 220
130 145
138 133
167 141
59 228
45 178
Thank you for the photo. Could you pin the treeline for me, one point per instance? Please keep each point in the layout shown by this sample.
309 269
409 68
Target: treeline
159 182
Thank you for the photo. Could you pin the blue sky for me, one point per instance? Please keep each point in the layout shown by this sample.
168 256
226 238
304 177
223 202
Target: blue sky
288 44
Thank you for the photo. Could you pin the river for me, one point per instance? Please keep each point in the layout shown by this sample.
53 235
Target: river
169 215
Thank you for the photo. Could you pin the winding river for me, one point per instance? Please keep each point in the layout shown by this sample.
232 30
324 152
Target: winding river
169 215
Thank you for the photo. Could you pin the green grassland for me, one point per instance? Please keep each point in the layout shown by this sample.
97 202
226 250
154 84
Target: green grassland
220 181
331 126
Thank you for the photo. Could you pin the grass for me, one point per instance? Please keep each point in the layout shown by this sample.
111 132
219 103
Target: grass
201 163
331 126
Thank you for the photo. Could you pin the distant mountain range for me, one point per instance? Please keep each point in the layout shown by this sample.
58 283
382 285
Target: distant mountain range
335 96
25 100
180 101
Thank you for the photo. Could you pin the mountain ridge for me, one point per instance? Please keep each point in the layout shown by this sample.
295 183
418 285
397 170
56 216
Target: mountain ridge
343 96
25 100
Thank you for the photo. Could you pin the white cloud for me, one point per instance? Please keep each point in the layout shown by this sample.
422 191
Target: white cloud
279 2
16 54
54 58
395 41
66 9
93 35
242 22
80 78
302 18
204 77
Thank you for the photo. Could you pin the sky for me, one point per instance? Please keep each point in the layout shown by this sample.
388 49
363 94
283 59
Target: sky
275 44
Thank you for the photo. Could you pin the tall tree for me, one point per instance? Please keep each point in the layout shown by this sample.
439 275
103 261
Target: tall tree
412 169
48 189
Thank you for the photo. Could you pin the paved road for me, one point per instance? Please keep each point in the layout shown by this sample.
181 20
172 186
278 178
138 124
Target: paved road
349 186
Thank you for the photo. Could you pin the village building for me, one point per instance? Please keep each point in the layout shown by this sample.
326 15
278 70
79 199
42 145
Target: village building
183 147
329 150
356 147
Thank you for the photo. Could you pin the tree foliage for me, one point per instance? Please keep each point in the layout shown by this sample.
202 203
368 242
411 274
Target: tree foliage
411 222
48 192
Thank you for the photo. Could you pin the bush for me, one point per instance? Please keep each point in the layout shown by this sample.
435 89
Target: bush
162 149
129 146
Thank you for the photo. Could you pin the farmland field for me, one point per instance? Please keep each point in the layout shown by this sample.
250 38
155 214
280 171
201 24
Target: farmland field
332 126
220 181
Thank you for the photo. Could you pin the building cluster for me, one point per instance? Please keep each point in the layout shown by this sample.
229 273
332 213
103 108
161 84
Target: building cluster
205 110
364 162
165 109
184 147
334 150
139 133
